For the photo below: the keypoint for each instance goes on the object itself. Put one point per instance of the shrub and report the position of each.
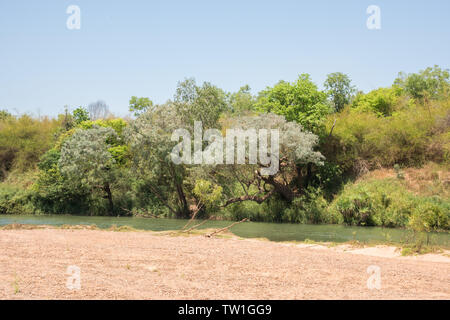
(410, 137)
(22, 141)
(387, 203)
(433, 215)
(382, 101)
(16, 201)
(357, 208)
(309, 208)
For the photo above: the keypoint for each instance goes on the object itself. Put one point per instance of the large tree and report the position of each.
(299, 101)
(339, 89)
(243, 101)
(86, 161)
(296, 152)
(139, 105)
(430, 83)
(199, 103)
(149, 138)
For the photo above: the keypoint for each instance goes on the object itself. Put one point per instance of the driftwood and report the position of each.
(198, 225)
(226, 228)
(199, 207)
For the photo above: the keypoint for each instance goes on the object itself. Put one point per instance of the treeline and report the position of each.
(89, 162)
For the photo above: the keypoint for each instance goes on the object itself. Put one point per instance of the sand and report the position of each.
(147, 265)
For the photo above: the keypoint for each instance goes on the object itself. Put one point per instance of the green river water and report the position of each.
(271, 231)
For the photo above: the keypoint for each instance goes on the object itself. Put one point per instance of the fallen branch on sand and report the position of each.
(197, 225)
(226, 228)
(197, 210)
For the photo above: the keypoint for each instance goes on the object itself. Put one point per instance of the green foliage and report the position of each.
(242, 101)
(387, 203)
(86, 162)
(4, 114)
(139, 105)
(16, 201)
(150, 143)
(80, 114)
(431, 83)
(357, 208)
(85, 157)
(195, 103)
(208, 194)
(117, 124)
(120, 154)
(430, 216)
(298, 101)
(111, 166)
(362, 141)
(339, 89)
(309, 208)
(23, 140)
(382, 101)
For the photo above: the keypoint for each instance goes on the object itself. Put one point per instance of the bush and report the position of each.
(357, 208)
(23, 140)
(433, 215)
(16, 201)
(309, 208)
(387, 203)
(382, 101)
(410, 137)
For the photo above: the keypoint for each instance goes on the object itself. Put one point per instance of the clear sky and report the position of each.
(144, 48)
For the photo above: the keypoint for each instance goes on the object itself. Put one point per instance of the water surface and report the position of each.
(271, 231)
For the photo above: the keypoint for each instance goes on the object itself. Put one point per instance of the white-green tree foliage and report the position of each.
(85, 161)
(296, 144)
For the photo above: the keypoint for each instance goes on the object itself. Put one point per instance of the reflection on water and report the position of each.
(271, 231)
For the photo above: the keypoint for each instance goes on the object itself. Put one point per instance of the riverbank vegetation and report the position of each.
(380, 158)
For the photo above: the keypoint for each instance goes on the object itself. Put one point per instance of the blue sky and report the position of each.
(144, 48)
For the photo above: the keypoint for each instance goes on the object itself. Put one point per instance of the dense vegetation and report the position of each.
(90, 162)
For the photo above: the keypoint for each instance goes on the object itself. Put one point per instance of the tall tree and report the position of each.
(80, 114)
(149, 138)
(86, 162)
(430, 83)
(339, 89)
(139, 105)
(200, 103)
(299, 101)
(296, 151)
(242, 101)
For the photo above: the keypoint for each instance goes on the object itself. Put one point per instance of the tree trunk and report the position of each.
(283, 190)
(183, 211)
(107, 189)
(308, 174)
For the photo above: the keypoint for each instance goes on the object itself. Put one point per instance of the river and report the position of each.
(271, 231)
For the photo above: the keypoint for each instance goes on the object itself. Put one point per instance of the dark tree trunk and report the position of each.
(308, 175)
(183, 211)
(283, 190)
(107, 189)
(303, 181)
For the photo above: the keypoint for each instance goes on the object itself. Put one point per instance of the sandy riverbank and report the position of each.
(146, 265)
